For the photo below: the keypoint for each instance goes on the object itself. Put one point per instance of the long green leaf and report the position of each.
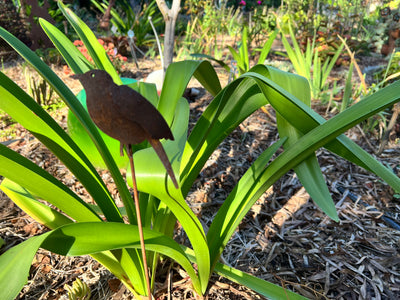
(267, 47)
(27, 174)
(228, 109)
(73, 57)
(305, 146)
(29, 114)
(86, 238)
(238, 59)
(305, 119)
(83, 239)
(15, 264)
(35, 209)
(308, 171)
(328, 68)
(295, 154)
(265, 288)
(151, 179)
(176, 80)
(96, 51)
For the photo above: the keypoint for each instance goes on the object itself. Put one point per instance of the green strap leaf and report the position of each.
(267, 47)
(73, 57)
(27, 174)
(15, 264)
(305, 119)
(35, 209)
(82, 239)
(152, 179)
(96, 51)
(265, 288)
(228, 109)
(308, 171)
(30, 115)
(176, 80)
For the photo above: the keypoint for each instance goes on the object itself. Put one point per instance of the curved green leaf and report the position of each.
(82, 239)
(15, 264)
(228, 109)
(176, 80)
(30, 115)
(73, 57)
(86, 238)
(96, 51)
(267, 47)
(152, 179)
(305, 119)
(265, 288)
(295, 154)
(35, 209)
(291, 157)
(27, 174)
(308, 171)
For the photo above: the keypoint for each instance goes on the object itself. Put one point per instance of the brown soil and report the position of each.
(284, 239)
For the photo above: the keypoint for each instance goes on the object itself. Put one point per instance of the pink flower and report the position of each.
(242, 3)
(259, 2)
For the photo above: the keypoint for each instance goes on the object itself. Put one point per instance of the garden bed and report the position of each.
(285, 238)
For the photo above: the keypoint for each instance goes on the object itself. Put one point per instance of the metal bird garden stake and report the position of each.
(127, 116)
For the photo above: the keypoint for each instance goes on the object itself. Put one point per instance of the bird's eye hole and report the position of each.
(93, 75)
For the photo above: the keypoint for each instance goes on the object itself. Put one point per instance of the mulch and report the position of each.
(284, 238)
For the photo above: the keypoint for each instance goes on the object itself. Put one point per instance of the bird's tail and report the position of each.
(156, 144)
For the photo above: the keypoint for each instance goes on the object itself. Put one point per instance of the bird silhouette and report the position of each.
(124, 114)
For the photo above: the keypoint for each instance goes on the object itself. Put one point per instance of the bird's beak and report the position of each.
(76, 76)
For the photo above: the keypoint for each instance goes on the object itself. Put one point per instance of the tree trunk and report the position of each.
(170, 16)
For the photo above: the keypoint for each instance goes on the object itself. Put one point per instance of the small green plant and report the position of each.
(125, 18)
(78, 291)
(50, 56)
(41, 91)
(391, 72)
(261, 22)
(241, 57)
(191, 42)
(309, 64)
(208, 34)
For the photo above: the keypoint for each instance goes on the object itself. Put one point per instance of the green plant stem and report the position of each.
(158, 42)
(139, 222)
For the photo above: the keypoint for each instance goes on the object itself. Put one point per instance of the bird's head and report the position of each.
(94, 78)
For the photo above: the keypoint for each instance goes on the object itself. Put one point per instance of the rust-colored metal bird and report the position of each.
(125, 115)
